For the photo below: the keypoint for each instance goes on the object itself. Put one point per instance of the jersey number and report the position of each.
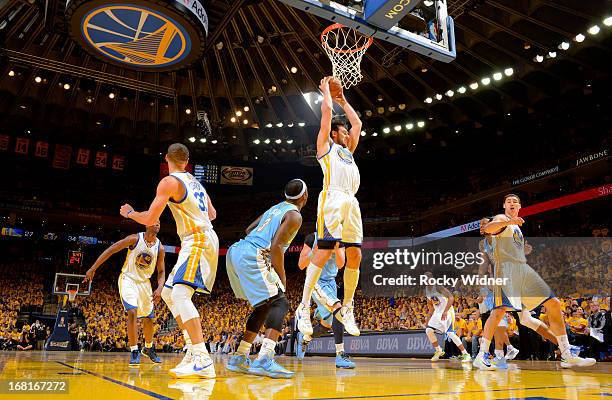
(201, 198)
(265, 223)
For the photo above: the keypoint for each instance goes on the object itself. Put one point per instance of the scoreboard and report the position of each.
(206, 173)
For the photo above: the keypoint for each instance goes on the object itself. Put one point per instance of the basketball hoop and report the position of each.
(345, 48)
(72, 295)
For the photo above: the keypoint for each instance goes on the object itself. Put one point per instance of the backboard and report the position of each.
(420, 26)
(64, 282)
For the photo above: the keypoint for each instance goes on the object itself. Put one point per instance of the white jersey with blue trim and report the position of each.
(141, 259)
(339, 170)
(261, 236)
(191, 212)
(509, 246)
(438, 299)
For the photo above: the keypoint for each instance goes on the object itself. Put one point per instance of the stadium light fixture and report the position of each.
(462, 89)
(539, 58)
(290, 125)
(269, 125)
(302, 124)
(289, 141)
(214, 141)
(245, 122)
(564, 46)
(202, 140)
(66, 86)
(192, 139)
(409, 126)
(38, 79)
(421, 124)
(363, 133)
(246, 108)
(428, 100)
(450, 93)
(376, 133)
(509, 71)
(385, 130)
(188, 111)
(279, 125)
(486, 80)
(552, 54)
(498, 76)
(607, 21)
(256, 141)
(294, 70)
(111, 95)
(233, 119)
(594, 30)
(267, 141)
(397, 128)
(438, 96)
(11, 73)
(579, 38)
(278, 141)
(474, 85)
(239, 113)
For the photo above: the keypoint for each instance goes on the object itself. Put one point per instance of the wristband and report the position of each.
(128, 214)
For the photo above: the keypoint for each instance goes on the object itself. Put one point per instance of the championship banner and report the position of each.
(22, 145)
(236, 175)
(410, 343)
(61, 158)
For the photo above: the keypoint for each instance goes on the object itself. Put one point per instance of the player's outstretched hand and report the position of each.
(516, 221)
(157, 294)
(324, 86)
(89, 275)
(125, 210)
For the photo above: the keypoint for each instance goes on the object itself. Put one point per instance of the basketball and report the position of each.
(335, 88)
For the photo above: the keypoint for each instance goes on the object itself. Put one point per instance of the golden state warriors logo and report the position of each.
(345, 155)
(135, 35)
(143, 260)
(517, 236)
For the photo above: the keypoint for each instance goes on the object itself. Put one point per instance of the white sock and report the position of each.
(464, 351)
(484, 346)
(244, 348)
(438, 348)
(134, 348)
(340, 348)
(564, 346)
(148, 345)
(499, 353)
(312, 276)
(199, 349)
(351, 279)
(509, 348)
(186, 337)
(267, 348)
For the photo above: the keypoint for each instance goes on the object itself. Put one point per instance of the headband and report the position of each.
(298, 195)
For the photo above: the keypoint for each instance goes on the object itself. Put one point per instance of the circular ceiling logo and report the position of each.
(135, 35)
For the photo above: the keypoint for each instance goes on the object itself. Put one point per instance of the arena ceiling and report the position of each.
(263, 56)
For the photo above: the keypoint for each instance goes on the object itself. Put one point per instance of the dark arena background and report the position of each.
(461, 102)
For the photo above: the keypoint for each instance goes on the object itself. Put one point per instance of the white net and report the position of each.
(345, 48)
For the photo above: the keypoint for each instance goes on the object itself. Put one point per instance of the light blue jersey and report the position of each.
(269, 223)
(248, 262)
(329, 270)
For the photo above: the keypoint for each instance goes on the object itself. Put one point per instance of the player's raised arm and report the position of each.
(327, 107)
(354, 120)
(500, 221)
(112, 249)
(161, 273)
(212, 211)
(168, 188)
(292, 221)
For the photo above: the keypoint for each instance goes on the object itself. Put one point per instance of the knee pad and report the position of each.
(527, 320)
(257, 318)
(453, 336)
(181, 297)
(278, 309)
(166, 295)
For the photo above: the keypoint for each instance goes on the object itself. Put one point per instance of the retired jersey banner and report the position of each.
(61, 158)
(82, 157)
(22, 145)
(101, 159)
(236, 175)
(118, 163)
(42, 149)
(4, 142)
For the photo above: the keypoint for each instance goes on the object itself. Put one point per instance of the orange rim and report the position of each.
(340, 26)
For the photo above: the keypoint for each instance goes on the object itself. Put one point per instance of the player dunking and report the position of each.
(196, 265)
(325, 295)
(525, 289)
(145, 253)
(256, 270)
(441, 315)
(338, 214)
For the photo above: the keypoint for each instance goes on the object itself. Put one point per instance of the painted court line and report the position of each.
(106, 378)
(439, 393)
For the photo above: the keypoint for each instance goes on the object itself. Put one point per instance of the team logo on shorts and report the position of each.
(345, 155)
(143, 260)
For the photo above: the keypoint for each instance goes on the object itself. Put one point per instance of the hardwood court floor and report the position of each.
(107, 376)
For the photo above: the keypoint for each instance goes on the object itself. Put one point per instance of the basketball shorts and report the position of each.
(196, 265)
(339, 218)
(437, 324)
(136, 294)
(524, 289)
(250, 273)
(325, 295)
